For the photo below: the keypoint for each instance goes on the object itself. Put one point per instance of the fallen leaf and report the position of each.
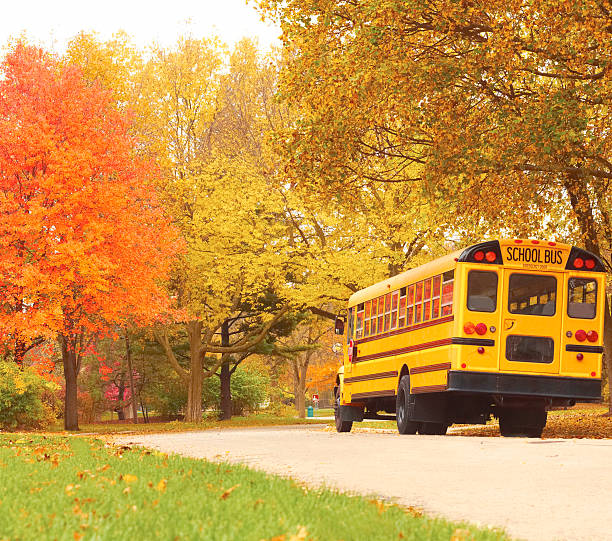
(161, 486)
(225, 495)
(128, 478)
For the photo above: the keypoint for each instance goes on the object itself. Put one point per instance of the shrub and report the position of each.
(167, 398)
(23, 398)
(249, 390)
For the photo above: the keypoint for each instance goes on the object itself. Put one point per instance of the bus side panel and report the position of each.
(415, 349)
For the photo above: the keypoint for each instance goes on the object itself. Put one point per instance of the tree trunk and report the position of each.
(225, 377)
(194, 394)
(300, 398)
(300, 369)
(120, 397)
(226, 392)
(131, 377)
(71, 408)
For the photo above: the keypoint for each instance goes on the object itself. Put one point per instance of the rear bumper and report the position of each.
(524, 385)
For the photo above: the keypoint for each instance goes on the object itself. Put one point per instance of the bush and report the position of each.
(249, 390)
(167, 398)
(23, 398)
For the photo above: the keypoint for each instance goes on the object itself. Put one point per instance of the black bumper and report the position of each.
(524, 385)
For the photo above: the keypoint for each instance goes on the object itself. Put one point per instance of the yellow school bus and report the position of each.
(505, 328)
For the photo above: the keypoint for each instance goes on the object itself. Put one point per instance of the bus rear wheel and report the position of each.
(404, 406)
(341, 425)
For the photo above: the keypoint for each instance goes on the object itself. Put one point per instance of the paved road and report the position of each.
(539, 490)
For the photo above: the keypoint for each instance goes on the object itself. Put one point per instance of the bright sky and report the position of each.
(52, 23)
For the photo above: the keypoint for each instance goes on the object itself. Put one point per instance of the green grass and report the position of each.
(68, 488)
(179, 426)
(324, 412)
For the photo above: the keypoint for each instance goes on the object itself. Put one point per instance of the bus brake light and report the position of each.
(492, 256)
(592, 336)
(479, 255)
(469, 328)
(481, 329)
(589, 264)
(578, 263)
(580, 335)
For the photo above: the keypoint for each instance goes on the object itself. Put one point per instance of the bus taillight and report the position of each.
(481, 329)
(479, 255)
(578, 263)
(592, 336)
(469, 328)
(491, 257)
(580, 335)
(589, 264)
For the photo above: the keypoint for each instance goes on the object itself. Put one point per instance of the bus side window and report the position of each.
(374, 316)
(387, 311)
(435, 293)
(402, 308)
(359, 329)
(426, 298)
(418, 299)
(448, 280)
(351, 324)
(410, 303)
(482, 291)
(582, 298)
(394, 307)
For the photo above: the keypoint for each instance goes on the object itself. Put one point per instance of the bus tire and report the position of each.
(404, 406)
(433, 429)
(341, 425)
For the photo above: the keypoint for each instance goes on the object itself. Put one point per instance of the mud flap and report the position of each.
(350, 413)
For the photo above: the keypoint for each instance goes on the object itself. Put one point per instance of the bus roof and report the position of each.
(562, 258)
(437, 266)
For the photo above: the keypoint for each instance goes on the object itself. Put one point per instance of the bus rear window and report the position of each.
(482, 291)
(532, 294)
(581, 298)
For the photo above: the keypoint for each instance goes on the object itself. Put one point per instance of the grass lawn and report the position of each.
(72, 488)
(179, 426)
(324, 412)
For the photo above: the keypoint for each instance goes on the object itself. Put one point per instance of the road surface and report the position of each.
(540, 490)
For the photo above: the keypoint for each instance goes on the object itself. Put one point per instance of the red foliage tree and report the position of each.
(84, 244)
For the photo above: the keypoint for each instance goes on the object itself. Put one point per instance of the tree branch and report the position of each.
(164, 342)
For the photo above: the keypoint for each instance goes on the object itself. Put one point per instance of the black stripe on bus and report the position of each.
(367, 377)
(585, 349)
(372, 394)
(473, 341)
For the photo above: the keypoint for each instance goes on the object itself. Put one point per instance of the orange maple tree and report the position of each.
(84, 244)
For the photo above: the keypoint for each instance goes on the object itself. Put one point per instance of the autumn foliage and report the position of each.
(83, 242)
